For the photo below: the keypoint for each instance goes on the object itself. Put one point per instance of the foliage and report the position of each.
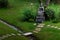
(28, 16)
(58, 17)
(49, 14)
(55, 21)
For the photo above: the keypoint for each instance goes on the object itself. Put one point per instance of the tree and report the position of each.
(55, 1)
(45, 2)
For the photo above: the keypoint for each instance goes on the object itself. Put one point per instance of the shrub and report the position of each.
(28, 16)
(49, 14)
(58, 17)
(55, 21)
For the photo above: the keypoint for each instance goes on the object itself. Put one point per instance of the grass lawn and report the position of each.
(52, 24)
(16, 38)
(48, 33)
(14, 14)
(6, 30)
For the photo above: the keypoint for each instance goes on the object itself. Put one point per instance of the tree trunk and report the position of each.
(58, 1)
(47, 3)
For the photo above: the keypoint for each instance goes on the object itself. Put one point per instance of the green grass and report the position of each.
(52, 24)
(48, 33)
(13, 14)
(16, 38)
(6, 30)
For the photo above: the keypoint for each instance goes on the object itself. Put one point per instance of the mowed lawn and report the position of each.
(16, 38)
(15, 12)
(4, 30)
(13, 15)
(49, 33)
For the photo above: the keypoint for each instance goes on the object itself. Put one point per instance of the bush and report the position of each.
(55, 21)
(28, 16)
(3, 3)
(58, 17)
(49, 14)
